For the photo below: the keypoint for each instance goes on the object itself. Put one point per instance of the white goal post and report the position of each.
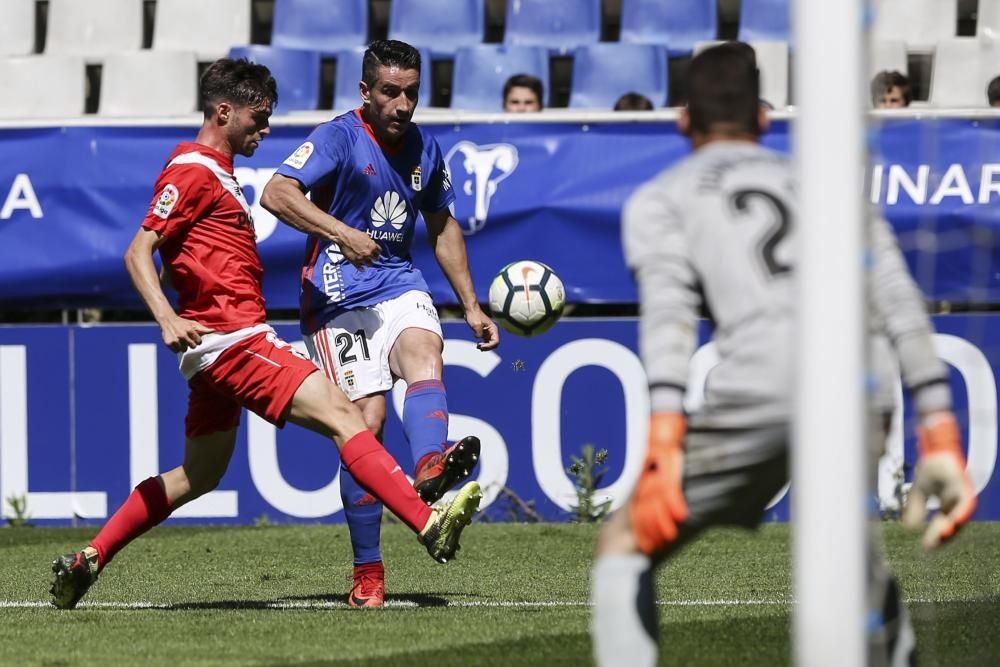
(829, 443)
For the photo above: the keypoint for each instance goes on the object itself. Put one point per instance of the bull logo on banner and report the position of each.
(476, 172)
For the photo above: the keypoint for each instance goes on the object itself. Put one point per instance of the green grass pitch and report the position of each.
(517, 595)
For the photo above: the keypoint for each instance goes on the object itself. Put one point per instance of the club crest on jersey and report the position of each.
(301, 155)
(415, 181)
(479, 170)
(165, 202)
(349, 379)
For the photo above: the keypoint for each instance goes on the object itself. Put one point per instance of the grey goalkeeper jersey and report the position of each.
(717, 231)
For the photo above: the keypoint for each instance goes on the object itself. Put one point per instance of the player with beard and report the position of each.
(366, 311)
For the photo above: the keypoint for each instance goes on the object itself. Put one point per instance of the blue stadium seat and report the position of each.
(320, 25)
(295, 70)
(481, 71)
(604, 72)
(765, 21)
(559, 25)
(677, 24)
(439, 25)
(348, 74)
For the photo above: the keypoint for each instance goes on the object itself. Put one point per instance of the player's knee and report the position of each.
(616, 535)
(202, 480)
(374, 423)
(341, 416)
(374, 416)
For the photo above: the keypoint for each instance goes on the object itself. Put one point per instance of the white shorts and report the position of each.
(353, 348)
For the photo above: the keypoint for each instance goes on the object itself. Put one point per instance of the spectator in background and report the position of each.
(993, 92)
(523, 93)
(633, 102)
(890, 90)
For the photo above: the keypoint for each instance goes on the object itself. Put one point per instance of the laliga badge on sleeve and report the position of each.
(301, 155)
(165, 202)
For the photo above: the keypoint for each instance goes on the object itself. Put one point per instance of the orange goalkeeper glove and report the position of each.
(658, 506)
(941, 473)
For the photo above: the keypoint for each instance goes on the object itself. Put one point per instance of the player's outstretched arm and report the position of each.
(285, 198)
(178, 333)
(899, 309)
(449, 248)
(940, 473)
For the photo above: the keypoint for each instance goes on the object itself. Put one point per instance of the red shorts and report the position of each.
(261, 373)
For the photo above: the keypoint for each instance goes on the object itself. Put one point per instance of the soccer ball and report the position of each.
(527, 297)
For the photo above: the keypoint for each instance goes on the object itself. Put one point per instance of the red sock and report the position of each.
(377, 472)
(145, 507)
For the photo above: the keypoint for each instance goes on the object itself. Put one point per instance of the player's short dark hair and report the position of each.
(993, 91)
(240, 82)
(532, 83)
(388, 52)
(885, 81)
(633, 102)
(724, 89)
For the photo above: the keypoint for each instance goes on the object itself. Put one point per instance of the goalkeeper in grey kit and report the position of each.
(717, 232)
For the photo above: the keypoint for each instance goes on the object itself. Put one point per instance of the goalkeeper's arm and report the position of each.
(656, 251)
(899, 309)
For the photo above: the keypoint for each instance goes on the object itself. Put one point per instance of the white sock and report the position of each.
(623, 620)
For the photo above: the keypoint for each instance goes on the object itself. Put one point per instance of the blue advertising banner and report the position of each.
(72, 198)
(88, 413)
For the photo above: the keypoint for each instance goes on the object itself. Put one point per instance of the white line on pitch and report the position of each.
(335, 604)
(332, 604)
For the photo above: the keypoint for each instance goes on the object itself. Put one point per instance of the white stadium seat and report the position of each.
(17, 27)
(888, 55)
(772, 61)
(207, 27)
(149, 83)
(33, 87)
(988, 21)
(962, 69)
(919, 23)
(94, 28)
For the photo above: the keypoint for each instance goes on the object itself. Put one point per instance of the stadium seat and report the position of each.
(320, 25)
(678, 24)
(62, 95)
(963, 68)
(439, 25)
(209, 28)
(17, 27)
(604, 72)
(772, 61)
(919, 23)
(765, 21)
(558, 25)
(348, 74)
(295, 70)
(988, 20)
(889, 55)
(481, 72)
(133, 84)
(93, 29)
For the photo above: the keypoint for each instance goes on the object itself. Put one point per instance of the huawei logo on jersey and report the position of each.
(390, 208)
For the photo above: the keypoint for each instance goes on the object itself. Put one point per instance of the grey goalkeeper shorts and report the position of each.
(731, 475)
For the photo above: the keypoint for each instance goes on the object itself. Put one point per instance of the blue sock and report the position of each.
(364, 519)
(425, 418)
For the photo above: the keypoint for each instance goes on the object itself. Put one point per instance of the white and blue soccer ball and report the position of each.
(527, 297)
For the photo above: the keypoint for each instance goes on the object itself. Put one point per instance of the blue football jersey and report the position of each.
(377, 189)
